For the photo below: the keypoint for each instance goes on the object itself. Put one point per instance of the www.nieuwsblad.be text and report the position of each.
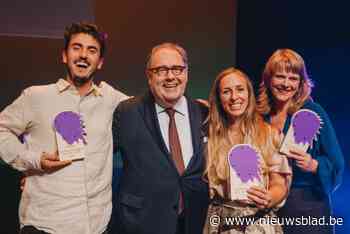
(215, 221)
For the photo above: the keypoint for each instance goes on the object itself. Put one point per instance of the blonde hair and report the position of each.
(252, 130)
(289, 61)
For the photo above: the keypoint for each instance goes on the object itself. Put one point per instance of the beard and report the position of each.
(79, 81)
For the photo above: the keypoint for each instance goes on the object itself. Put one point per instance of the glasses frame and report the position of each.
(176, 70)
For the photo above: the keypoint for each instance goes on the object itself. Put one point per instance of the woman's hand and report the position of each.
(260, 196)
(303, 160)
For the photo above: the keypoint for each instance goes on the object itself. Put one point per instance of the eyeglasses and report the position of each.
(164, 70)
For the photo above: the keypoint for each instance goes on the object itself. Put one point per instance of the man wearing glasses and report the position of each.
(161, 139)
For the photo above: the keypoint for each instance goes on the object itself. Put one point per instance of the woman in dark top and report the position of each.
(286, 88)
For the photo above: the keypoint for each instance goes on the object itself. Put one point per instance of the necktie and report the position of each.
(175, 150)
(174, 142)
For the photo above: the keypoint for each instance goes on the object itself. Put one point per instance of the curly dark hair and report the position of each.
(88, 28)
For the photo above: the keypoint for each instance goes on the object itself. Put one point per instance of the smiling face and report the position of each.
(284, 85)
(82, 58)
(234, 95)
(168, 88)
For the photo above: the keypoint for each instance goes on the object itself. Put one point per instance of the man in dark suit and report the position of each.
(161, 139)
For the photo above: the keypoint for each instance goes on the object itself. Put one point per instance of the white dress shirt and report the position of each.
(183, 127)
(76, 199)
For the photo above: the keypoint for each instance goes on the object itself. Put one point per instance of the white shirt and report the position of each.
(76, 199)
(183, 127)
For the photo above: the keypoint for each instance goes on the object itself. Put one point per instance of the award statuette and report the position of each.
(245, 171)
(69, 135)
(303, 130)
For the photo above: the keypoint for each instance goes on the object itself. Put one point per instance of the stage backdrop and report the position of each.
(42, 18)
(319, 31)
(31, 40)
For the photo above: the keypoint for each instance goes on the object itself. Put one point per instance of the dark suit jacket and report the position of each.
(148, 196)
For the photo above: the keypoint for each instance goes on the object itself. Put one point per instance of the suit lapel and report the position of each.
(148, 112)
(195, 123)
(196, 132)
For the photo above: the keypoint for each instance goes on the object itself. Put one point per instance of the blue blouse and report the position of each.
(325, 150)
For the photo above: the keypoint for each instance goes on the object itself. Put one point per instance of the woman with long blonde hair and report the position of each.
(286, 88)
(233, 120)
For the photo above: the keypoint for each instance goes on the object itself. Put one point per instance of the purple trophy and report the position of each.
(244, 160)
(306, 125)
(70, 126)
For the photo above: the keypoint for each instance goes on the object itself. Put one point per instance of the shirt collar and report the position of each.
(64, 85)
(180, 107)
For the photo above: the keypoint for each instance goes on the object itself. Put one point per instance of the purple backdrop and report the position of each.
(42, 18)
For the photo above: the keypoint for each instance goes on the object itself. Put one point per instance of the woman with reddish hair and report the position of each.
(286, 88)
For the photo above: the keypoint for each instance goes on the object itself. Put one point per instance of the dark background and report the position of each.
(216, 34)
(319, 31)
(42, 18)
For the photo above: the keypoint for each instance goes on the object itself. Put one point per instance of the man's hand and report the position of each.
(51, 162)
(22, 183)
(203, 101)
